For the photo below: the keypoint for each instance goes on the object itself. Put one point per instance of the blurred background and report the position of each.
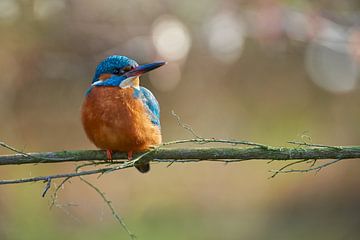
(268, 71)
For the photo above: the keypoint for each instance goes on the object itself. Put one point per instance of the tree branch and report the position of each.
(233, 153)
(227, 154)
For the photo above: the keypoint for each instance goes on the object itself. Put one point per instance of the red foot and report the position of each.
(130, 155)
(109, 155)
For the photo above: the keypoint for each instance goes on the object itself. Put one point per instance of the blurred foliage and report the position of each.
(267, 71)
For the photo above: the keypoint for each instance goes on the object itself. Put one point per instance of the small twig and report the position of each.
(54, 195)
(276, 172)
(313, 145)
(201, 140)
(185, 126)
(44, 178)
(47, 186)
(112, 209)
(171, 163)
(213, 140)
(311, 169)
(313, 163)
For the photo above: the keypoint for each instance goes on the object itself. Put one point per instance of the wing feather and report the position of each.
(151, 105)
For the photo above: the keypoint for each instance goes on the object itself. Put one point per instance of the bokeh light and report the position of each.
(9, 10)
(226, 34)
(47, 8)
(297, 25)
(140, 48)
(354, 43)
(329, 62)
(9, 69)
(171, 38)
(267, 21)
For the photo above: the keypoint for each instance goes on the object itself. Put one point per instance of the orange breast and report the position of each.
(113, 119)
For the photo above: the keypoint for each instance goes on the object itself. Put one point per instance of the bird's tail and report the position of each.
(143, 168)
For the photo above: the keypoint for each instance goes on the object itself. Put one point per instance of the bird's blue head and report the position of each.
(113, 65)
(120, 71)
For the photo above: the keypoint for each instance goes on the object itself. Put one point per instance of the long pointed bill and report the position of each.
(143, 69)
(132, 77)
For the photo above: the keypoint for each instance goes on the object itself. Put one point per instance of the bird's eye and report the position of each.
(116, 71)
(120, 71)
(127, 68)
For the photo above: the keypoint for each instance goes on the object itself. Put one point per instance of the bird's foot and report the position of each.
(109, 155)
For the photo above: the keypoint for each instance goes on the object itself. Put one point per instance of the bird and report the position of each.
(117, 113)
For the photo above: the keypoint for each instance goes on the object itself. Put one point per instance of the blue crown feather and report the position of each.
(109, 64)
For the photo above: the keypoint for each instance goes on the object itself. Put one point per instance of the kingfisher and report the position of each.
(118, 114)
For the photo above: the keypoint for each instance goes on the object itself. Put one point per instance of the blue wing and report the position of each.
(151, 104)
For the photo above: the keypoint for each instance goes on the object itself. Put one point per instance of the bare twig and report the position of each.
(54, 195)
(187, 127)
(47, 186)
(213, 140)
(46, 178)
(312, 145)
(311, 169)
(276, 172)
(112, 209)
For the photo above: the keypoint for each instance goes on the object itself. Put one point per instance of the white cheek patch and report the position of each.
(128, 83)
(123, 84)
(96, 83)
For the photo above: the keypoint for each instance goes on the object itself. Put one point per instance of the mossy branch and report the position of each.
(303, 152)
(222, 154)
